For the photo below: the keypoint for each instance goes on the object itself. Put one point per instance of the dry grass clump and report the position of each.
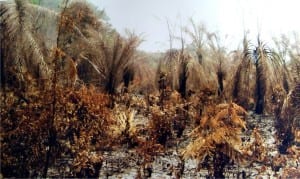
(125, 129)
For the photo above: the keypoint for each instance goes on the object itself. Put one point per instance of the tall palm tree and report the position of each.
(267, 73)
(115, 60)
(265, 63)
(197, 34)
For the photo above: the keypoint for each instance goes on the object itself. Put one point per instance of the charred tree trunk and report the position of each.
(260, 88)
(286, 79)
(162, 85)
(220, 76)
(236, 83)
(200, 57)
(110, 87)
(51, 142)
(52, 133)
(127, 78)
(182, 81)
(286, 83)
(2, 68)
(220, 160)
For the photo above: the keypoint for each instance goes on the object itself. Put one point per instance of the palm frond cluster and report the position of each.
(181, 72)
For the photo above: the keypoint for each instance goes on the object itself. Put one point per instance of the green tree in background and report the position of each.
(35, 2)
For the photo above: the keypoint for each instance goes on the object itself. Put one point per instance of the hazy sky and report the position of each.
(229, 17)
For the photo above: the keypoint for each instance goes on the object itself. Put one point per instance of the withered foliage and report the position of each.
(81, 122)
(219, 137)
(165, 125)
(220, 125)
(161, 126)
(79, 33)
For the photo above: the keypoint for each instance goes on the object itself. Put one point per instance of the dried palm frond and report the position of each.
(169, 67)
(295, 67)
(241, 77)
(125, 128)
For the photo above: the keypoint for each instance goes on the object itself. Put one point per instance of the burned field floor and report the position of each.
(124, 162)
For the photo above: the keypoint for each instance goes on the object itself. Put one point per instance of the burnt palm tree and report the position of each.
(197, 34)
(262, 66)
(21, 48)
(219, 57)
(117, 56)
(265, 63)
